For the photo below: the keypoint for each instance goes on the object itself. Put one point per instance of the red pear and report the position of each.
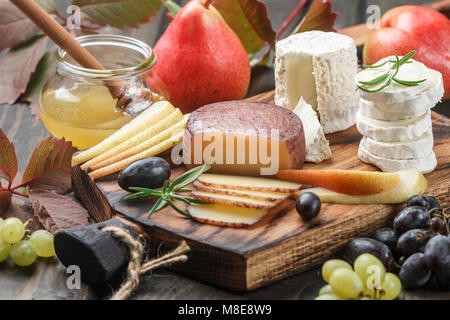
(408, 28)
(200, 60)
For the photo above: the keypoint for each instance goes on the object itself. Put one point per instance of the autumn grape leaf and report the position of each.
(8, 158)
(319, 17)
(119, 13)
(16, 68)
(57, 212)
(5, 199)
(249, 20)
(49, 166)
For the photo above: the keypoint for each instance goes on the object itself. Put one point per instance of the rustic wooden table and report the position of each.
(47, 279)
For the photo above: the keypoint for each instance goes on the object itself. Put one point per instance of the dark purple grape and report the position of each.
(358, 246)
(386, 236)
(442, 275)
(412, 241)
(415, 272)
(438, 225)
(411, 218)
(401, 260)
(437, 251)
(418, 201)
(145, 173)
(432, 202)
(308, 205)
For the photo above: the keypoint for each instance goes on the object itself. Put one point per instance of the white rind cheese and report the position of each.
(371, 110)
(403, 150)
(426, 164)
(321, 68)
(415, 105)
(395, 92)
(391, 131)
(316, 145)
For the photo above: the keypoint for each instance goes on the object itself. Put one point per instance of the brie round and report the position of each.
(425, 164)
(391, 131)
(402, 150)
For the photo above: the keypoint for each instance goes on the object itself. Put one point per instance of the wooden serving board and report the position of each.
(246, 259)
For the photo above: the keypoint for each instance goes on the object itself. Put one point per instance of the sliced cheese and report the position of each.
(414, 106)
(371, 110)
(223, 215)
(425, 164)
(321, 68)
(237, 201)
(395, 92)
(248, 183)
(244, 138)
(391, 131)
(412, 182)
(417, 148)
(316, 145)
(257, 195)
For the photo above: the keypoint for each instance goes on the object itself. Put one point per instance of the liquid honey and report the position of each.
(84, 114)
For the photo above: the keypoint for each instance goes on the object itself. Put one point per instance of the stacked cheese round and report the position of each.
(396, 121)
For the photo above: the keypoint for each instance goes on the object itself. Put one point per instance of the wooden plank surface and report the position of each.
(248, 258)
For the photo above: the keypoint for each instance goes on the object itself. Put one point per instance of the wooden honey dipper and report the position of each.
(65, 40)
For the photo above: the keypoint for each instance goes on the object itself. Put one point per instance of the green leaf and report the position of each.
(188, 177)
(409, 83)
(319, 17)
(172, 7)
(174, 207)
(249, 20)
(119, 13)
(161, 203)
(375, 81)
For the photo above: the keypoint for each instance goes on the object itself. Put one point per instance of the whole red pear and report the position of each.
(408, 28)
(200, 60)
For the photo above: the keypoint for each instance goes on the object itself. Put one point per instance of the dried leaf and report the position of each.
(44, 69)
(8, 158)
(49, 165)
(5, 199)
(56, 212)
(16, 68)
(15, 27)
(119, 13)
(319, 17)
(249, 20)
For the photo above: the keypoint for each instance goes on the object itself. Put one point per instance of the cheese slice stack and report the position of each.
(396, 121)
(321, 68)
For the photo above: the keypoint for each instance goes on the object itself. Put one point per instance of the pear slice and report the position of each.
(257, 195)
(229, 216)
(412, 182)
(236, 201)
(248, 183)
(344, 181)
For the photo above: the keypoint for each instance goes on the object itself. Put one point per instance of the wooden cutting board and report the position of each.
(246, 259)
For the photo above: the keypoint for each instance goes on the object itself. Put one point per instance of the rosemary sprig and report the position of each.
(397, 63)
(170, 191)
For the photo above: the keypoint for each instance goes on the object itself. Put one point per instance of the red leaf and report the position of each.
(8, 158)
(17, 66)
(5, 199)
(49, 165)
(15, 27)
(319, 17)
(249, 20)
(56, 212)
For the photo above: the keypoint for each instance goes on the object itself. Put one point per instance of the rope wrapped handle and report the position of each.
(137, 267)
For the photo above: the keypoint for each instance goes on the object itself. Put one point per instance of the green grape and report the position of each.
(5, 248)
(331, 265)
(13, 230)
(326, 290)
(43, 242)
(23, 253)
(370, 269)
(391, 286)
(328, 296)
(1, 223)
(346, 283)
(365, 298)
